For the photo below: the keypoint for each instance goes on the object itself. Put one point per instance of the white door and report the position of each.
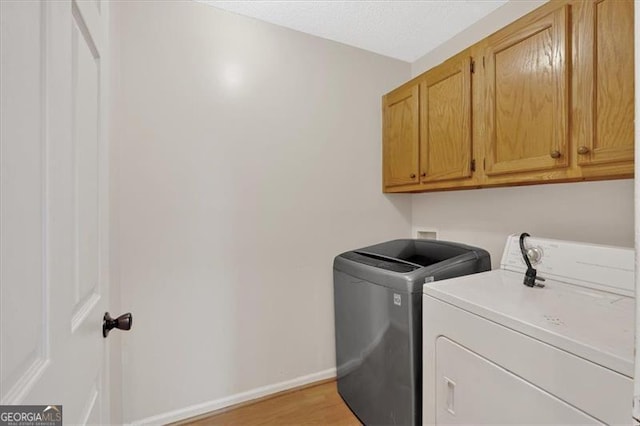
(54, 210)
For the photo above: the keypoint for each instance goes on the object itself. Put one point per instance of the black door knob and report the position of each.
(123, 322)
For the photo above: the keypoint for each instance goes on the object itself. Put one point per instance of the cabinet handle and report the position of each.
(423, 174)
(583, 150)
(555, 154)
(412, 175)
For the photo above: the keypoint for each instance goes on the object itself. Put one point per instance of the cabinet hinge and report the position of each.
(473, 67)
(473, 165)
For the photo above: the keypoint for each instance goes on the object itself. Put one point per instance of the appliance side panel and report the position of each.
(373, 350)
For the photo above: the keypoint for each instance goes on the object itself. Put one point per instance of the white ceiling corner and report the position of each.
(404, 30)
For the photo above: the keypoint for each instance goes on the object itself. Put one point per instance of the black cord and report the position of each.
(523, 251)
(529, 276)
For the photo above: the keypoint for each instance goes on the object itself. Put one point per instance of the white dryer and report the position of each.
(498, 352)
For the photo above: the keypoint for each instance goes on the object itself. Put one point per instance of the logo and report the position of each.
(30, 415)
(397, 299)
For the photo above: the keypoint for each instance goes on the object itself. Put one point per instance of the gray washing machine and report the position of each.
(378, 320)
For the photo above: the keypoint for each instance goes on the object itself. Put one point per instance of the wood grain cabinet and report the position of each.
(551, 100)
(427, 128)
(445, 102)
(527, 96)
(604, 86)
(401, 136)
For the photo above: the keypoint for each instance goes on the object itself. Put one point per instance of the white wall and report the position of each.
(246, 157)
(598, 212)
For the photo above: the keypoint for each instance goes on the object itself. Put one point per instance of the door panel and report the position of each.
(91, 412)
(446, 120)
(86, 110)
(23, 250)
(606, 123)
(401, 136)
(527, 80)
(54, 208)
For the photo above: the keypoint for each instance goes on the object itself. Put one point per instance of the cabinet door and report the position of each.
(527, 102)
(445, 152)
(401, 139)
(605, 82)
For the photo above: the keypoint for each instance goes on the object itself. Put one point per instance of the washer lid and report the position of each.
(592, 324)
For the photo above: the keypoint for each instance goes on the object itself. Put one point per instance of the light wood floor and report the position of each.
(318, 405)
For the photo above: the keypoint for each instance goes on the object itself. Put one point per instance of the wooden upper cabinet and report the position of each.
(401, 136)
(551, 100)
(445, 112)
(604, 88)
(527, 80)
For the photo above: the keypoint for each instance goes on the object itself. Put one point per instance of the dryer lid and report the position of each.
(589, 323)
(586, 307)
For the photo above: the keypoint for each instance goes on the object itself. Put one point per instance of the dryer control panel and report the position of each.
(595, 266)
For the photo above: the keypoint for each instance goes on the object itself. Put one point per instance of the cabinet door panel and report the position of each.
(401, 136)
(446, 122)
(605, 82)
(527, 81)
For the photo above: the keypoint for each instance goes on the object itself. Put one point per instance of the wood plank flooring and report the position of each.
(315, 405)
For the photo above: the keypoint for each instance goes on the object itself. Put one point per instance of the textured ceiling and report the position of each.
(404, 30)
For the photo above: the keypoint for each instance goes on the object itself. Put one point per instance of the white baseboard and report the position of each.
(217, 404)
